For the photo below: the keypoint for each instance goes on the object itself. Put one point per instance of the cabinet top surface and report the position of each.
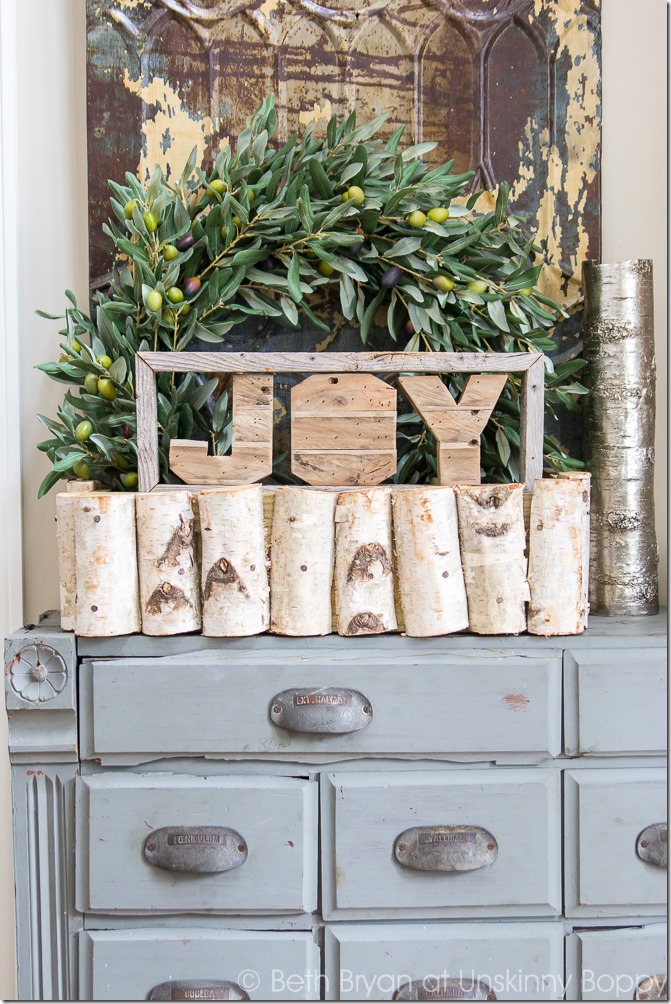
(603, 632)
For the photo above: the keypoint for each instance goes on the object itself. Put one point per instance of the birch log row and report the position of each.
(559, 556)
(235, 591)
(428, 563)
(363, 566)
(106, 565)
(620, 436)
(168, 570)
(491, 528)
(301, 556)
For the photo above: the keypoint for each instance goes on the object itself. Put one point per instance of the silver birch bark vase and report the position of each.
(618, 331)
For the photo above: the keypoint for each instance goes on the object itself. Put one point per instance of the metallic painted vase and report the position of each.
(619, 345)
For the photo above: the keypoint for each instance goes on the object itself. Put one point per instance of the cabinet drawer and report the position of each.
(126, 820)
(516, 961)
(507, 820)
(610, 965)
(128, 965)
(615, 701)
(605, 812)
(476, 703)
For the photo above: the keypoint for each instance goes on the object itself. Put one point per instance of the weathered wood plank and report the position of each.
(531, 423)
(147, 425)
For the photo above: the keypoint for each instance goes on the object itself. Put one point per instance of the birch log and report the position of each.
(301, 562)
(428, 564)
(363, 568)
(236, 600)
(558, 556)
(491, 528)
(106, 564)
(168, 570)
(67, 573)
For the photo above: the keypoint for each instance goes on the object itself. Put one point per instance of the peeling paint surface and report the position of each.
(510, 90)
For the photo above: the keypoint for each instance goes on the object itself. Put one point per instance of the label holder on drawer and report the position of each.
(204, 850)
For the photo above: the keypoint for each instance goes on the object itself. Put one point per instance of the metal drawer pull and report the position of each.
(198, 990)
(199, 849)
(432, 989)
(328, 710)
(652, 845)
(654, 988)
(445, 849)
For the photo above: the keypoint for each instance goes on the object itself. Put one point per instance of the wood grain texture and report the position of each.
(251, 456)
(353, 457)
(147, 425)
(531, 422)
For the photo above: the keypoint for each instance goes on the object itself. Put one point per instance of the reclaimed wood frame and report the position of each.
(147, 364)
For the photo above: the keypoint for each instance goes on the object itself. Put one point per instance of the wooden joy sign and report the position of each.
(343, 424)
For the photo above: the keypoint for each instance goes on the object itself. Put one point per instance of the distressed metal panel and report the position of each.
(520, 962)
(44, 864)
(615, 701)
(608, 965)
(510, 90)
(126, 965)
(41, 694)
(277, 817)
(604, 813)
(478, 703)
(363, 814)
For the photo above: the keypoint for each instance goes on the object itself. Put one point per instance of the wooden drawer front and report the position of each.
(127, 965)
(473, 703)
(276, 817)
(610, 965)
(517, 961)
(615, 701)
(364, 814)
(605, 811)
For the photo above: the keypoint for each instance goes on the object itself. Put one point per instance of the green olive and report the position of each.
(128, 209)
(170, 252)
(218, 185)
(81, 469)
(526, 292)
(75, 347)
(129, 480)
(91, 383)
(478, 286)
(106, 389)
(150, 221)
(237, 222)
(325, 268)
(83, 431)
(356, 194)
(154, 300)
(174, 294)
(438, 214)
(417, 219)
(121, 462)
(104, 361)
(443, 283)
(250, 195)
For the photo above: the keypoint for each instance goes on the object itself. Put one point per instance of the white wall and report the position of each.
(52, 241)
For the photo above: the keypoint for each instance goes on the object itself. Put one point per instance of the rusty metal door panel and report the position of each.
(509, 89)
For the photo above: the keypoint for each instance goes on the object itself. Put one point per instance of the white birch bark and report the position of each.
(235, 591)
(67, 572)
(428, 563)
(301, 561)
(169, 575)
(106, 564)
(363, 563)
(491, 528)
(559, 556)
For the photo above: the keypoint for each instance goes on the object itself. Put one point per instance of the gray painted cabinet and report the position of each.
(340, 819)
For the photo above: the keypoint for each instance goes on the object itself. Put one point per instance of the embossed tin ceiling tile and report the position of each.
(445, 848)
(196, 849)
(652, 845)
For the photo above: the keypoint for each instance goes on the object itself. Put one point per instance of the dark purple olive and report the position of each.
(126, 431)
(390, 277)
(268, 264)
(185, 242)
(355, 248)
(191, 286)
(409, 328)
